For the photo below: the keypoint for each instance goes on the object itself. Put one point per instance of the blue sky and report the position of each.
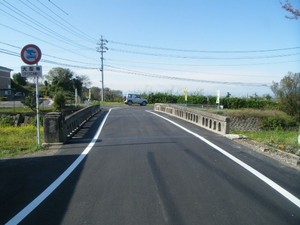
(233, 46)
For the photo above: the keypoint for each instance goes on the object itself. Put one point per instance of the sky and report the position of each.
(239, 47)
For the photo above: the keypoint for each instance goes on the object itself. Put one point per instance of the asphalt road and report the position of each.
(18, 103)
(144, 170)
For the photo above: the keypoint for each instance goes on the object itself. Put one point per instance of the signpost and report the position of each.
(31, 54)
(185, 95)
(218, 99)
(31, 71)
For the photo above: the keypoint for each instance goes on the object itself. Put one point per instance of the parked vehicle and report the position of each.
(135, 99)
(20, 94)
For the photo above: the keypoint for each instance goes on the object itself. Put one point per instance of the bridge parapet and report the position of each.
(216, 123)
(58, 129)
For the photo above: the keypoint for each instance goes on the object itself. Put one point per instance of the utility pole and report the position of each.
(102, 49)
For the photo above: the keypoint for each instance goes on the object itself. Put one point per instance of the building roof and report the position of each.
(4, 69)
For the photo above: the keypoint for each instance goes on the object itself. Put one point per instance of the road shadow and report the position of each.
(86, 133)
(23, 179)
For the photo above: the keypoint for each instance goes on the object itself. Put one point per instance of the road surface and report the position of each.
(143, 169)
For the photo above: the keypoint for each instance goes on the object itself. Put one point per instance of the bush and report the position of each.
(30, 101)
(59, 101)
(254, 103)
(6, 120)
(279, 123)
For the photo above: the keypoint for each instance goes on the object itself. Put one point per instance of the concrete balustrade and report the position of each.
(212, 122)
(58, 129)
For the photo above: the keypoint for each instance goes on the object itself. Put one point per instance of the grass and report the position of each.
(250, 112)
(16, 110)
(286, 140)
(18, 140)
(281, 139)
(23, 110)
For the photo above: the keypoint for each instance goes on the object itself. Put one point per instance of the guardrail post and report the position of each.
(54, 131)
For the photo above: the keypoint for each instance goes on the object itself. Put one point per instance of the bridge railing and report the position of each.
(216, 123)
(58, 129)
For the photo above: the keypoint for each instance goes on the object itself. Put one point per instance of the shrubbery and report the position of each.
(6, 120)
(279, 123)
(255, 103)
(59, 101)
(228, 103)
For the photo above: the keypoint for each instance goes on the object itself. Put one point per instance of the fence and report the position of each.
(212, 122)
(58, 129)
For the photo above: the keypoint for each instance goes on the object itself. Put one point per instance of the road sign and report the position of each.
(31, 54)
(31, 71)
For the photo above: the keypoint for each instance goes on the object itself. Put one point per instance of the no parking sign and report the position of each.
(31, 54)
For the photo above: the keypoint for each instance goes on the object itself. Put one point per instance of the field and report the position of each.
(18, 140)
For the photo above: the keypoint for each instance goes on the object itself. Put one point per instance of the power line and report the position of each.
(43, 40)
(194, 72)
(202, 57)
(68, 65)
(138, 73)
(42, 28)
(55, 21)
(76, 29)
(202, 51)
(201, 65)
(14, 46)
(58, 8)
(8, 52)
(55, 57)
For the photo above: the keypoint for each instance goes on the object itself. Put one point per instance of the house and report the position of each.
(5, 84)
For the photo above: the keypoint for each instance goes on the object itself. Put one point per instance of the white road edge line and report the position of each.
(259, 175)
(38, 200)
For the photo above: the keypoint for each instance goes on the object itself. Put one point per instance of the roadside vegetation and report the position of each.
(280, 115)
(15, 141)
(284, 140)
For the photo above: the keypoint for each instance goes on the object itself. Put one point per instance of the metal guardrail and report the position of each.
(209, 121)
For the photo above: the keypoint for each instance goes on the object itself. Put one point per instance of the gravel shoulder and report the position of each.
(277, 154)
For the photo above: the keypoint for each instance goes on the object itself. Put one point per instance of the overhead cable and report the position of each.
(138, 73)
(43, 40)
(55, 21)
(41, 28)
(203, 51)
(202, 57)
(87, 36)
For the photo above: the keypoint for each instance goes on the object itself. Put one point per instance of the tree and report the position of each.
(18, 79)
(95, 93)
(59, 101)
(291, 9)
(30, 101)
(60, 79)
(113, 95)
(288, 94)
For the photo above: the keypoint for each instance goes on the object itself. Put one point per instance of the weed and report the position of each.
(18, 140)
(284, 140)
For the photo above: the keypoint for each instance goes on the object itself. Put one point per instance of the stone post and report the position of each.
(54, 131)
